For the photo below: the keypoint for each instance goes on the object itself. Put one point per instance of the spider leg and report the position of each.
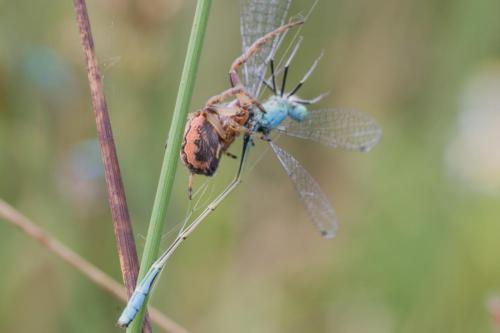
(237, 92)
(240, 128)
(190, 185)
(233, 72)
(218, 99)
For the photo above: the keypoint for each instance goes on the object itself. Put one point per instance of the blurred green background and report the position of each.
(418, 245)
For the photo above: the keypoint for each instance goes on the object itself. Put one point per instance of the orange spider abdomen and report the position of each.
(201, 146)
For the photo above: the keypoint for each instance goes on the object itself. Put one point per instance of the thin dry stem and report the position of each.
(129, 263)
(101, 279)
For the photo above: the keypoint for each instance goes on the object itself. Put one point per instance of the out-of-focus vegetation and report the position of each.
(418, 246)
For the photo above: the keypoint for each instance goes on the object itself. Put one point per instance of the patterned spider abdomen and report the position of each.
(201, 146)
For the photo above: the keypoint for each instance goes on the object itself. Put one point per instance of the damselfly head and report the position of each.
(298, 110)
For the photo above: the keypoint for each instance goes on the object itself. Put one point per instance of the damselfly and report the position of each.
(217, 125)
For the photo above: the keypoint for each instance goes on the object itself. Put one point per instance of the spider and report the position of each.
(211, 130)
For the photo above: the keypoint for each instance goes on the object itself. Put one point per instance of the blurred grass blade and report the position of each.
(92, 272)
(171, 158)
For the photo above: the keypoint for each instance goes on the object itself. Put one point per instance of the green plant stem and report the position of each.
(171, 157)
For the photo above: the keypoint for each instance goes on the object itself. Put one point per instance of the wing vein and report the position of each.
(315, 201)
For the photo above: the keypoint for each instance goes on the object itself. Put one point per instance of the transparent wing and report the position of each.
(317, 205)
(336, 128)
(259, 17)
